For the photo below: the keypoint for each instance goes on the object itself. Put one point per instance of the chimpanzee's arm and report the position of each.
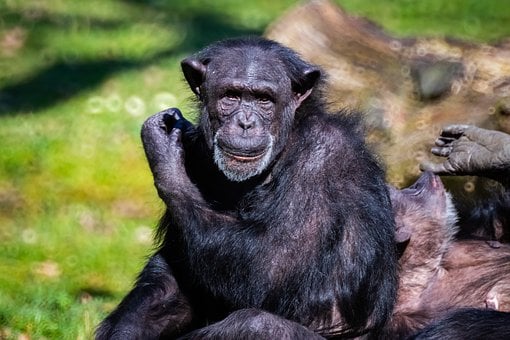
(154, 307)
(162, 140)
(472, 151)
(205, 230)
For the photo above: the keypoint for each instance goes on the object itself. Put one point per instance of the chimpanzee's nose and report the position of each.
(246, 122)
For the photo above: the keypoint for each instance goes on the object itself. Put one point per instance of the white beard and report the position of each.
(245, 171)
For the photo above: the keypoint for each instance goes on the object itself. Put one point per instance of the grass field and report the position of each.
(77, 79)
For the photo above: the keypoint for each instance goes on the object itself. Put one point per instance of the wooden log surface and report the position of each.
(407, 88)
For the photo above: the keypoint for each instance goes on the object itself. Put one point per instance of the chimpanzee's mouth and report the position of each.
(427, 181)
(243, 161)
(243, 158)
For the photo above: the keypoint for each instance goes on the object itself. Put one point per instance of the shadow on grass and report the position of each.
(66, 78)
(56, 83)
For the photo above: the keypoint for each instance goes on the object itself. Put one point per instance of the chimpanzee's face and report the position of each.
(425, 200)
(248, 102)
(250, 106)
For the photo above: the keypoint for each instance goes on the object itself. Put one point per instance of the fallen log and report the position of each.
(409, 88)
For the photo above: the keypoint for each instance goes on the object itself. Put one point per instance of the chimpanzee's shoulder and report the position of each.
(342, 128)
(346, 120)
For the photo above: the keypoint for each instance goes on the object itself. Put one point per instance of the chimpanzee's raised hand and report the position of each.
(471, 151)
(162, 142)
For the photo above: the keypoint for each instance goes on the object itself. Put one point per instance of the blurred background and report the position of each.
(77, 79)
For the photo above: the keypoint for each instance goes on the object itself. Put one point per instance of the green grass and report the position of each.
(77, 79)
(483, 21)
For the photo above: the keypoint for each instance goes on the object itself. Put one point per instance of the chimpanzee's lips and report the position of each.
(244, 158)
(427, 181)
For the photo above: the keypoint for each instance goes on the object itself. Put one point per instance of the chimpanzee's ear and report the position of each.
(308, 80)
(194, 72)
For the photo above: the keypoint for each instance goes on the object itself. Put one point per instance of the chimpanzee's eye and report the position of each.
(265, 99)
(232, 95)
(228, 102)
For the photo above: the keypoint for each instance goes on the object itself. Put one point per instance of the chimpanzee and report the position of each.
(278, 220)
(440, 275)
(470, 150)
(425, 229)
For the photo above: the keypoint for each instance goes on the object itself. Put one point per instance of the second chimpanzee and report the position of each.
(278, 221)
(451, 287)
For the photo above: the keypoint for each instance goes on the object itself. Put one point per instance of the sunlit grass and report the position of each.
(464, 19)
(78, 198)
(77, 79)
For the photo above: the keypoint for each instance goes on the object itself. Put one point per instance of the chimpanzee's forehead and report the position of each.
(247, 63)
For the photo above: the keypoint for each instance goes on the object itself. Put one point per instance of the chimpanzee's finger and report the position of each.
(442, 141)
(177, 113)
(181, 124)
(442, 151)
(454, 130)
(171, 116)
(153, 125)
(175, 136)
(438, 169)
(173, 112)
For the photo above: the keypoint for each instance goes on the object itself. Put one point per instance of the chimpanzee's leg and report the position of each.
(155, 306)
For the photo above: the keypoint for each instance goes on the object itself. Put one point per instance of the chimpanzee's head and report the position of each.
(424, 206)
(249, 91)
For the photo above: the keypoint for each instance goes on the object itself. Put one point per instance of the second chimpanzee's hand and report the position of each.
(471, 151)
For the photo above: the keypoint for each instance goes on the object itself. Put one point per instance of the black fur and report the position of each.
(487, 218)
(309, 240)
(473, 324)
(253, 324)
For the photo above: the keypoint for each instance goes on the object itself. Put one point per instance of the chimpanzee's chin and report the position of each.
(239, 168)
(241, 164)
